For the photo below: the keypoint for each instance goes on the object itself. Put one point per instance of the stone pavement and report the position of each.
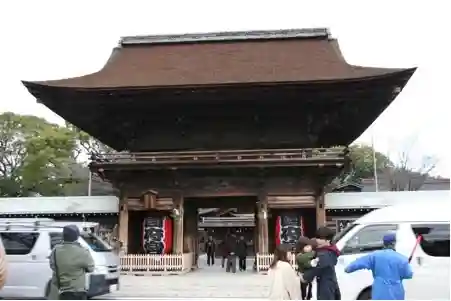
(206, 282)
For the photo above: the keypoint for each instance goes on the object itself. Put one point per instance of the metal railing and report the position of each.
(224, 156)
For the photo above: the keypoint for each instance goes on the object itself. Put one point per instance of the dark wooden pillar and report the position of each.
(179, 214)
(320, 211)
(190, 228)
(256, 231)
(123, 222)
(263, 239)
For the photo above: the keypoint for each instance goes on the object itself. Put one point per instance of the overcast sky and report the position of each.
(43, 40)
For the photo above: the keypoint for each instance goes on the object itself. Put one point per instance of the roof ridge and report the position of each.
(306, 33)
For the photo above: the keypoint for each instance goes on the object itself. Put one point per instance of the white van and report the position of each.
(430, 261)
(28, 244)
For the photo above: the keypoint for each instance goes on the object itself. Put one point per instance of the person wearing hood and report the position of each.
(323, 266)
(389, 269)
(70, 262)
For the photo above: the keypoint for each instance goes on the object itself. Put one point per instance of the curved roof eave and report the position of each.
(59, 84)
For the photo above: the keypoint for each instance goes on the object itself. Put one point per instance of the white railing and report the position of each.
(264, 260)
(146, 263)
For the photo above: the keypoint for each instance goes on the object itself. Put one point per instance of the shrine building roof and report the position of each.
(282, 89)
(225, 58)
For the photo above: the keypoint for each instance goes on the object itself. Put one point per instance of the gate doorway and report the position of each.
(225, 219)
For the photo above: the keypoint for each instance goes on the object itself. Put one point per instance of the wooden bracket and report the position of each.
(149, 199)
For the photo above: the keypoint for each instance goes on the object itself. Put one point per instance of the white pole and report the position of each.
(90, 183)
(376, 182)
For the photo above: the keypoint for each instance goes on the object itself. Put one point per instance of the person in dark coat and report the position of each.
(222, 252)
(323, 267)
(241, 252)
(231, 254)
(210, 248)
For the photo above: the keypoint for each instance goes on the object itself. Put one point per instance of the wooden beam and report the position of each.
(150, 199)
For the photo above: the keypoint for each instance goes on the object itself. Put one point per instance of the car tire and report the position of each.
(365, 294)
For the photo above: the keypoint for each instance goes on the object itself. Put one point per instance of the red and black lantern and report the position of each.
(289, 228)
(157, 235)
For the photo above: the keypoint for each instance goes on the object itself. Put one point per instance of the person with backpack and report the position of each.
(70, 262)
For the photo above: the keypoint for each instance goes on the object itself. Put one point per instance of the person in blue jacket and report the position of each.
(389, 269)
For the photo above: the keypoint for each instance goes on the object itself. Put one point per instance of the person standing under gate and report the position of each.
(241, 252)
(210, 248)
(222, 251)
(231, 254)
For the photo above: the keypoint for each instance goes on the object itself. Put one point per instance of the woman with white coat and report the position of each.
(3, 267)
(284, 284)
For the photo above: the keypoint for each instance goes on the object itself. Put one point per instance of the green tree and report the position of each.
(35, 156)
(362, 157)
(87, 146)
(80, 171)
(362, 164)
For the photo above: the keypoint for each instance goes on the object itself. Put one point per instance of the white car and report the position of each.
(430, 259)
(28, 244)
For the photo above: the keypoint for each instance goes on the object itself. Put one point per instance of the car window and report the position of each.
(56, 238)
(19, 243)
(95, 243)
(434, 238)
(368, 239)
(341, 233)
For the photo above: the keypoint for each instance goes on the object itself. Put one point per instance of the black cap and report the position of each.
(325, 233)
(71, 233)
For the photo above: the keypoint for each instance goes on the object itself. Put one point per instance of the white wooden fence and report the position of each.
(156, 264)
(264, 260)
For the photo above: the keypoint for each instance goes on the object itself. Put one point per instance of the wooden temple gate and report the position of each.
(204, 116)
(177, 195)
